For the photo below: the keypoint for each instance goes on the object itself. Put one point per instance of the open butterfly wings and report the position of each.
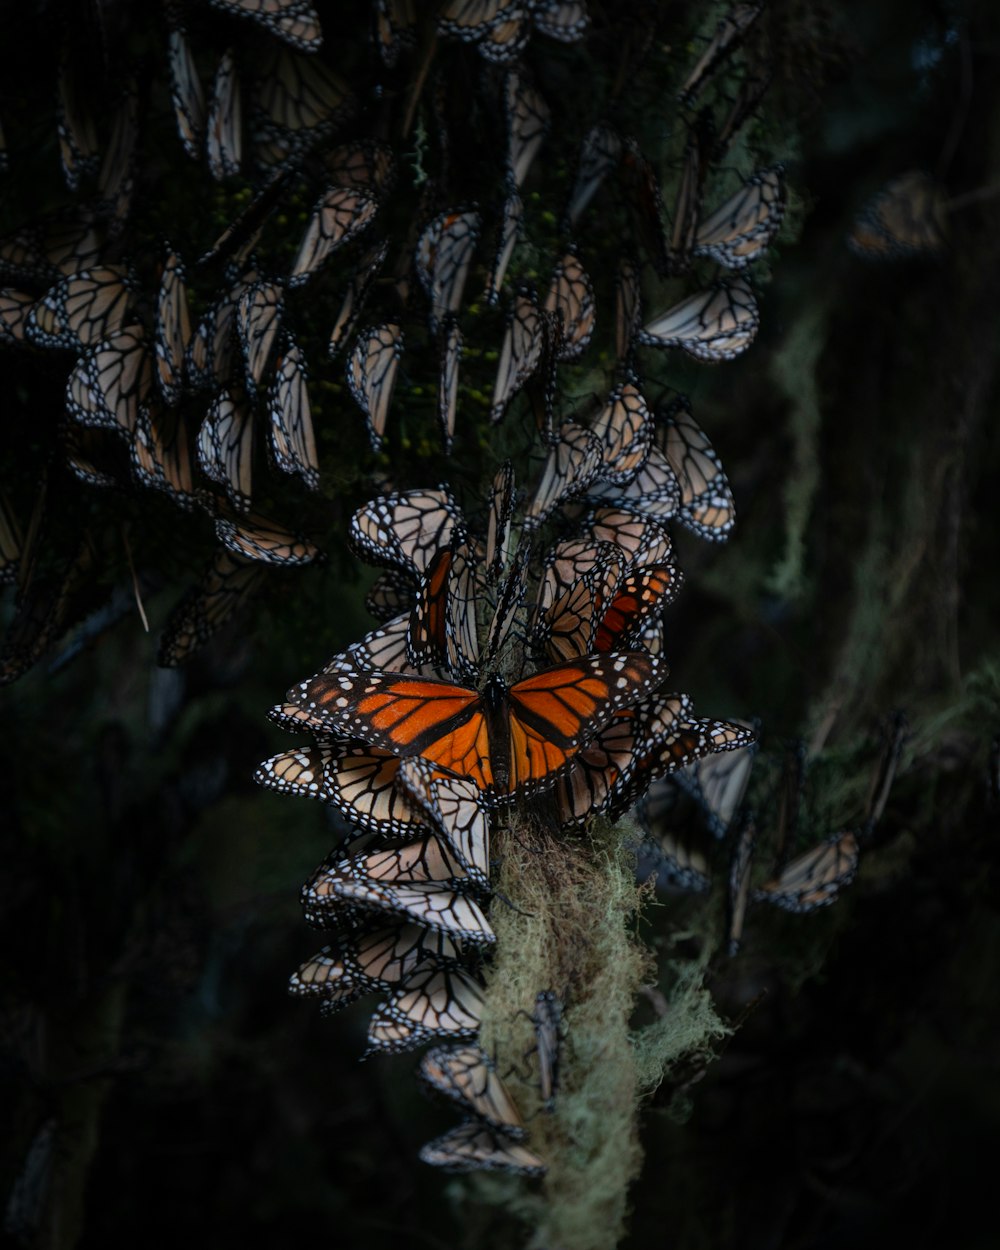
(506, 740)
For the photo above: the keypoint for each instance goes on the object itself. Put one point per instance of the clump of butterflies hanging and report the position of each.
(329, 272)
(519, 654)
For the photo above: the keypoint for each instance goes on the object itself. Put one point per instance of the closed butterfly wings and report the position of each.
(371, 375)
(706, 503)
(713, 325)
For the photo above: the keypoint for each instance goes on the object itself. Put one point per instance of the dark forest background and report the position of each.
(158, 1084)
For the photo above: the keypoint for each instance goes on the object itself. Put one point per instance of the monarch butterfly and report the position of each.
(742, 228)
(355, 296)
(294, 21)
(225, 446)
(644, 203)
(548, 1021)
(15, 307)
(224, 134)
(49, 247)
(706, 503)
(815, 878)
(625, 428)
(906, 218)
(688, 204)
(186, 93)
(471, 1146)
(256, 538)
(717, 324)
(640, 538)
(598, 772)
(728, 32)
(209, 359)
(571, 298)
(628, 312)
(108, 386)
(439, 1002)
(600, 152)
(407, 529)
(671, 745)
(510, 229)
(359, 781)
(467, 1075)
(173, 329)
(451, 357)
(420, 862)
(444, 252)
(258, 318)
(501, 513)
(391, 594)
(623, 615)
(653, 492)
(364, 163)
(395, 21)
(81, 309)
(220, 592)
(468, 19)
(300, 100)
(75, 125)
(93, 456)
(161, 455)
(504, 40)
(11, 544)
(508, 603)
(385, 956)
(116, 179)
(428, 903)
(508, 740)
(521, 352)
(339, 216)
(385, 648)
(718, 786)
(739, 884)
(292, 439)
(574, 578)
(678, 861)
(528, 118)
(640, 744)
(442, 630)
(565, 20)
(371, 375)
(570, 468)
(454, 808)
(325, 974)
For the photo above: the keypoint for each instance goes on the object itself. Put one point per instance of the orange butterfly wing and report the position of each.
(405, 715)
(555, 712)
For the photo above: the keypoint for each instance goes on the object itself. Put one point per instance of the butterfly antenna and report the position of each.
(135, 583)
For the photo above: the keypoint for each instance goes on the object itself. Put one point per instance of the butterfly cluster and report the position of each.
(505, 670)
(359, 194)
(195, 346)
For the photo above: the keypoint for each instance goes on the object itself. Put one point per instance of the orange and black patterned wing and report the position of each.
(555, 712)
(405, 716)
(814, 878)
(637, 598)
(706, 503)
(407, 529)
(467, 1075)
(359, 781)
